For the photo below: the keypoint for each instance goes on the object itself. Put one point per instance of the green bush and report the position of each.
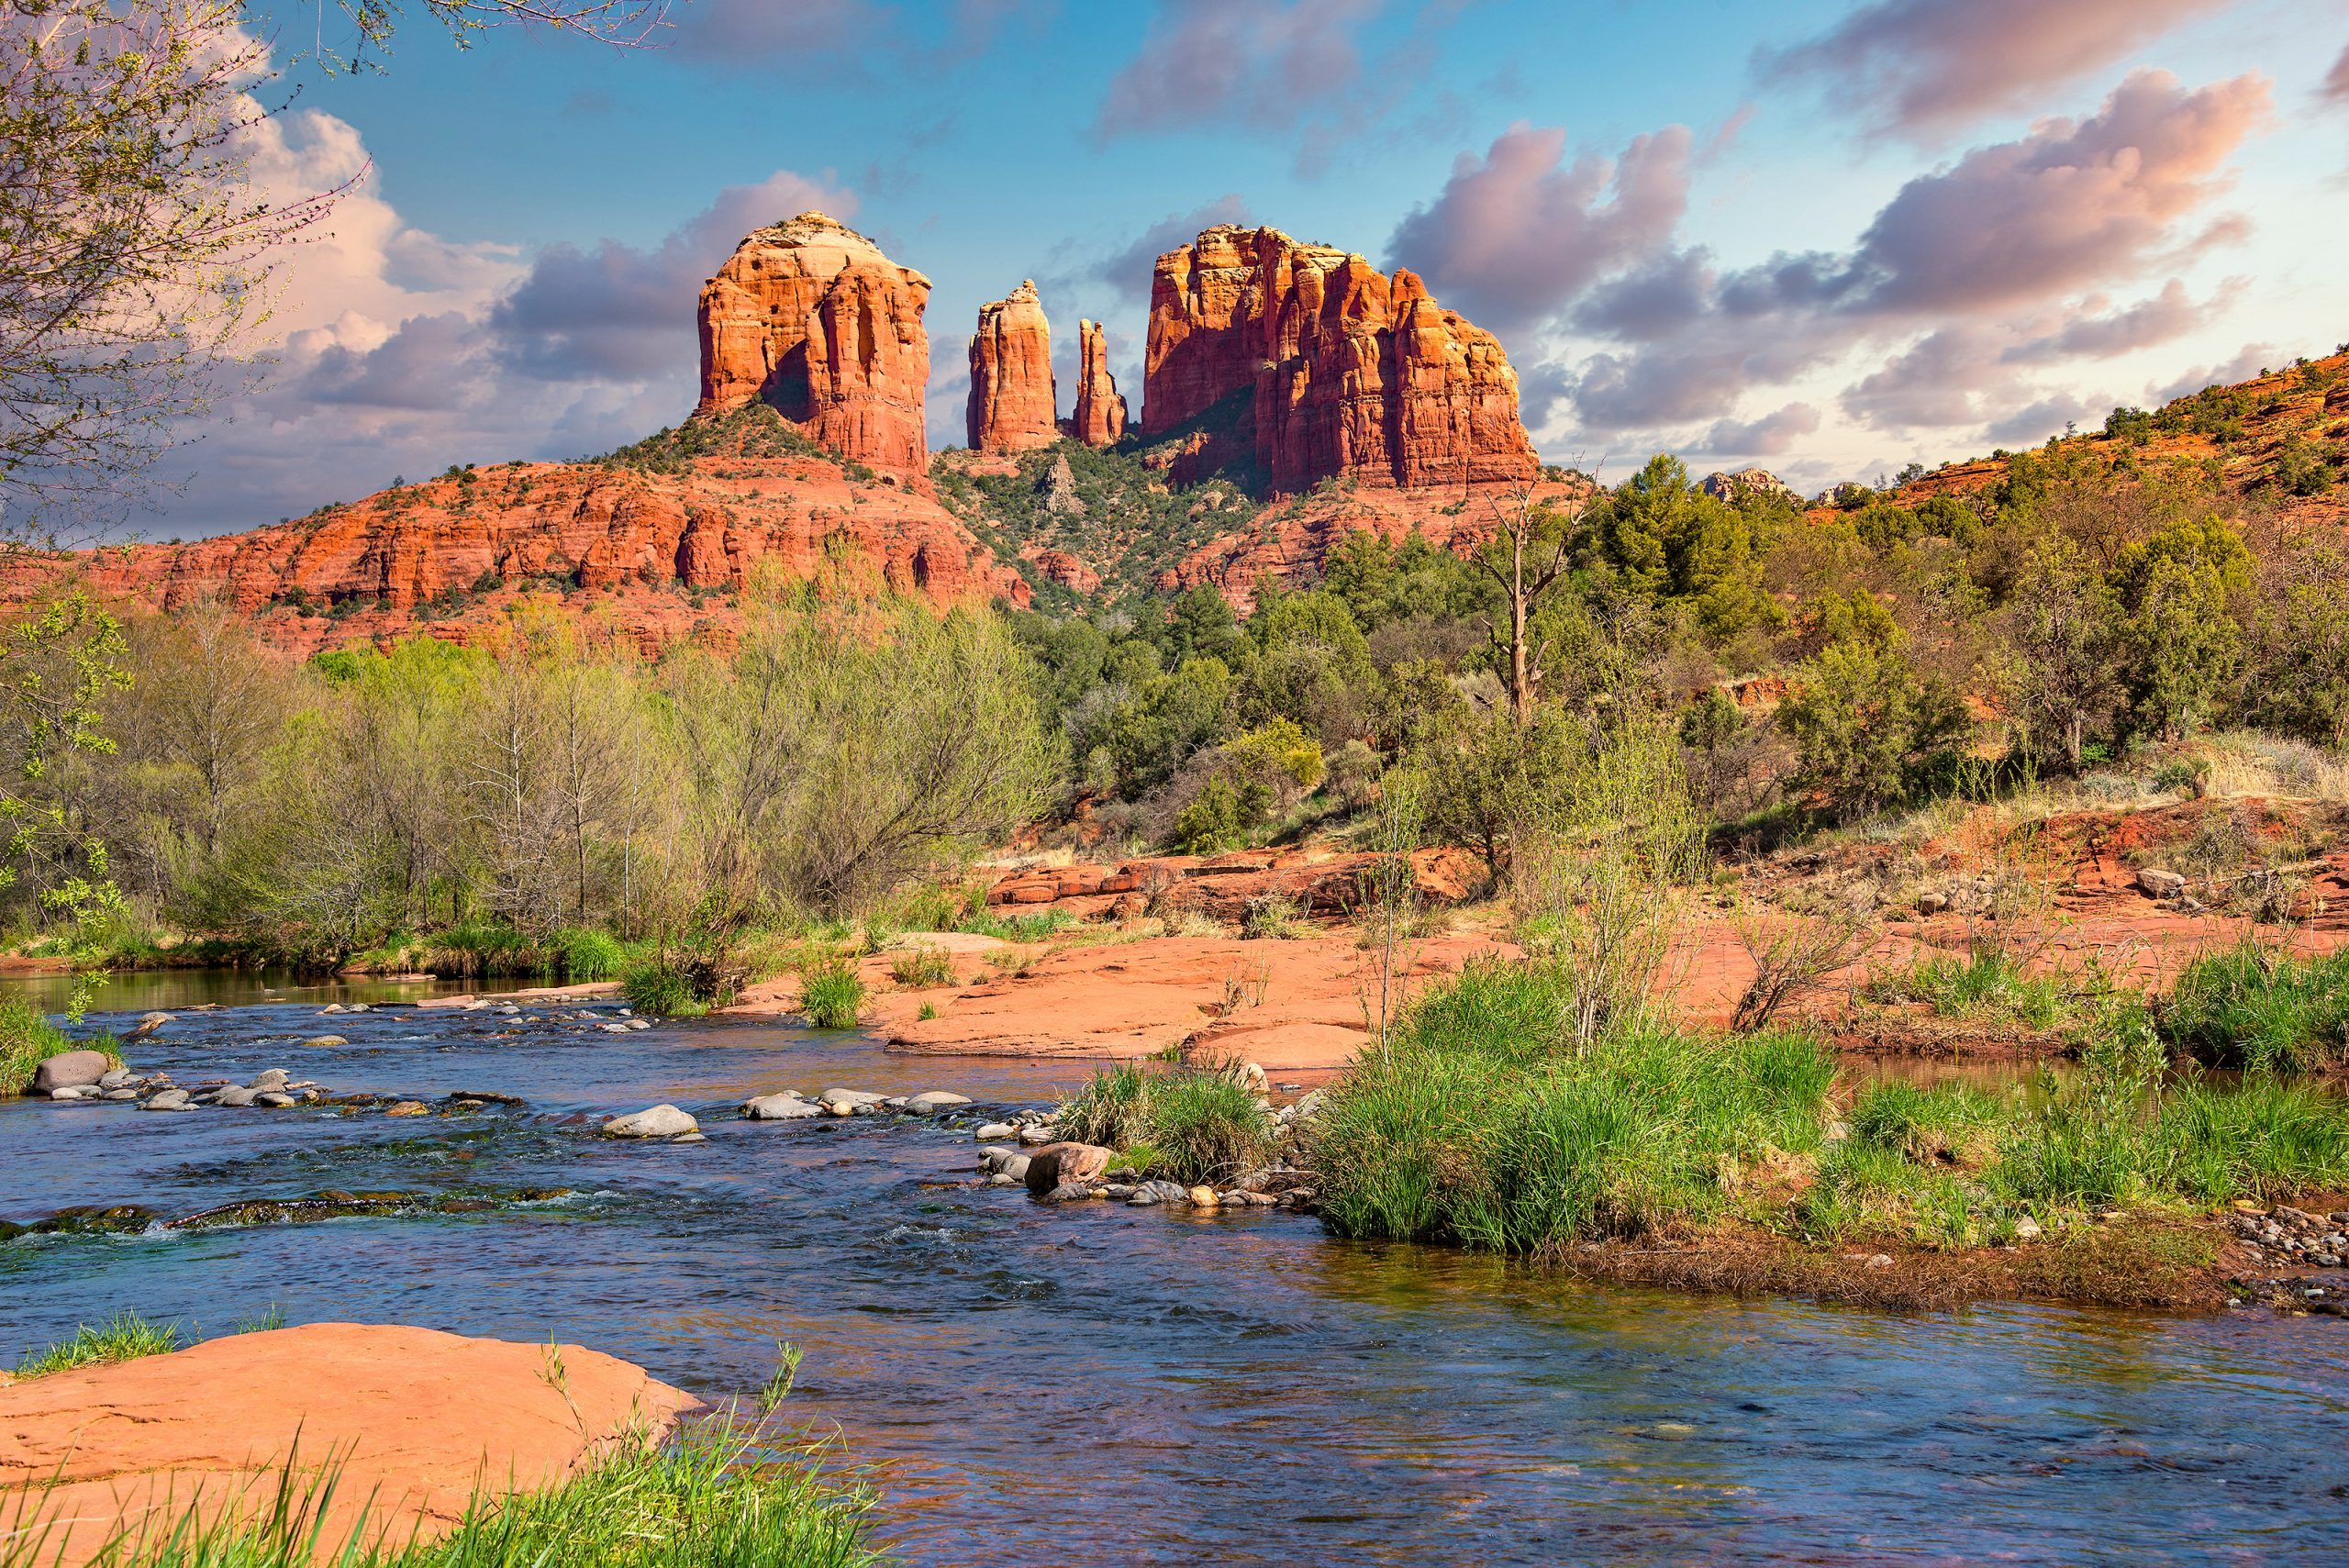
(1983, 983)
(831, 994)
(2254, 1007)
(1205, 1127)
(1112, 1109)
(662, 987)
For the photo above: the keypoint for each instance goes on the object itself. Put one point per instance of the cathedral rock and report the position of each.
(1013, 399)
(809, 315)
(1100, 416)
(1350, 372)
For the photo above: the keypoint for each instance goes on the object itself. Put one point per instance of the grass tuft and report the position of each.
(124, 1337)
(923, 967)
(2256, 1007)
(1186, 1125)
(831, 993)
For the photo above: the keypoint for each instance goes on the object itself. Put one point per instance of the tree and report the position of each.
(2181, 643)
(58, 665)
(1866, 728)
(1674, 541)
(2064, 683)
(1526, 558)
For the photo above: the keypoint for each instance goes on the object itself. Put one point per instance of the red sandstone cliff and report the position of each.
(648, 558)
(1013, 403)
(1100, 416)
(1350, 373)
(811, 317)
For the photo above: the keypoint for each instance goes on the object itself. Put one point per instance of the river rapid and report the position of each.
(1124, 1386)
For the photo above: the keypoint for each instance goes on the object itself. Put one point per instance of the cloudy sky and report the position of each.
(1827, 236)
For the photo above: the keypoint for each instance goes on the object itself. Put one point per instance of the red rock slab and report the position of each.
(417, 1420)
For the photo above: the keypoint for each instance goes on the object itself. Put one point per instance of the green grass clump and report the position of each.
(1032, 928)
(831, 993)
(715, 1499)
(589, 954)
(663, 988)
(2256, 1007)
(1186, 1125)
(27, 1039)
(124, 1337)
(1983, 984)
(921, 967)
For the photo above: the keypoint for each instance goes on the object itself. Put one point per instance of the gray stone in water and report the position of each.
(125, 1092)
(325, 1041)
(236, 1096)
(275, 1099)
(118, 1078)
(780, 1107)
(1000, 1180)
(936, 1100)
(69, 1070)
(656, 1121)
(691, 1138)
(613, 1029)
(1069, 1192)
(273, 1078)
(1040, 1133)
(850, 1097)
(75, 1092)
(639, 1023)
(995, 1129)
(169, 1100)
(1157, 1192)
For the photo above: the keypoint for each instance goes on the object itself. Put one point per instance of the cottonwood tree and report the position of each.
(1527, 557)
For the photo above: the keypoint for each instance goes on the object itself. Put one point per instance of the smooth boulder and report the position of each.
(936, 1100)
(1065, 1164)
(656, 1121)
(779, 1108)
(69, 1070)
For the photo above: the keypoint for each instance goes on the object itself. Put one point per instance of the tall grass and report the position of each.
(124, 1337)
(27, 1039)
(588, 954)
(1195, 1125)
(2256, 1007)
(662, 987)
(922, 966)
(1982, 983)
(717, 1498)
(831, 993)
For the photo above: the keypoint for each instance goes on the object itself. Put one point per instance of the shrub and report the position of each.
(663, 988)
(1111, 1109)
(124, 1337)
(920, 967)
(831, 994)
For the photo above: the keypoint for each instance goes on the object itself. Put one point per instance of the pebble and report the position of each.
(275, 1099)
(125, 1093)
(273, 1078)
(991, 1131)
(235, 1095)
(934, 1101)
(1202, 1198)
(409, 1107)
(169, 1100)
(785, 1107)
(2027, 1228)
(118, 1078)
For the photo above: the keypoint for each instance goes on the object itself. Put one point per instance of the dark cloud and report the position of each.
(1772, 435)
(1129, 270)
(1516, 236)
(1269, 63)
(1929, 66)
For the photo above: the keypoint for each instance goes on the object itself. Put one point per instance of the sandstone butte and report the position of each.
(1014, 404)
(1100, 420)
(810, 316)
(417, 1419)
(1349, 373)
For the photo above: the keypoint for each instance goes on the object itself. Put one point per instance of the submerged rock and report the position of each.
(169, 1100)
(936, 1100)
(324, 1041)
(785, 1107)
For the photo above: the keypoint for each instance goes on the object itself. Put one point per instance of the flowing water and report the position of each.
(1139, 1385)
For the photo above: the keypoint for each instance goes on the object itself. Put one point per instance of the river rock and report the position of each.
(780, 1107)
(1040, 1134)
(274, 1099)
(1071, 1191)
(1156, 1191)
(69, 1070)
(77, 1092)
(148, 1024)
(991, 1131)
(2155, 882)
(235, 1095)
(168, 1100)
(1202, 1198)
(2027, 1228)
(270, 1078)
(127, 1092)
(1059, 1164)
(325, 1041)
(657, 1121)
(853, 1099)
(936, 1100)
(408, 1108)
(118, 1078)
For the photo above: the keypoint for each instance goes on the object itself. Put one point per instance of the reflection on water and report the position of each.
(1139, 1387)
(146, 990)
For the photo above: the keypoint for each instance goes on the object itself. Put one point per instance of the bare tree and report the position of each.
(1527, 557)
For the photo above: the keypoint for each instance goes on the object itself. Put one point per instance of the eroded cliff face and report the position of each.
(1014, 404)
(810, 316)
(1100, 420)
(1347, 372)
(651, 557)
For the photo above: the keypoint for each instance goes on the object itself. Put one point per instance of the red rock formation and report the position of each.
(636, 552)
(1352, 374)
(1100, 416)
(811, 317)
(1013, 401)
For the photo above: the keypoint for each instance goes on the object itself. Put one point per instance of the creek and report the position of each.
(1129, 1386)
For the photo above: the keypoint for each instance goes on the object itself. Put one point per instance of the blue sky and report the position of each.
(1828, 236)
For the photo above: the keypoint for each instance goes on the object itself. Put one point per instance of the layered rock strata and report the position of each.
(1100, 420)
(1347, 372)
(809, 315)
(1014, 403)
